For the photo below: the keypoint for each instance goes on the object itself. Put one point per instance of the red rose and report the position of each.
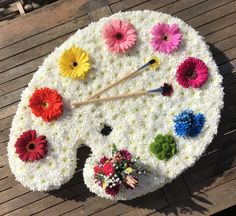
(108, 169)
(97, 169)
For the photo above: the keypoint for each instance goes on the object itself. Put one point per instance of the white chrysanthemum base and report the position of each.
(135, 121)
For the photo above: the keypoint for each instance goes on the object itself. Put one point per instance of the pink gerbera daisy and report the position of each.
(119, 36)
(166, 38)
(192, 72)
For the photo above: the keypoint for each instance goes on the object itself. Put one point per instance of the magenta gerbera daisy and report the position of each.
(166, 38)
(119, 36)
(192, 72)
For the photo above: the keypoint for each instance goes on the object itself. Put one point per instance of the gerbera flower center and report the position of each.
(165, 38)
(74, 64)
(45, 104)
(31, 146)
(191, 74)
(119, 36)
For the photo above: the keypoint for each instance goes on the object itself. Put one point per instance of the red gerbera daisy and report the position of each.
(47, 103)
(29, 147)
(192, 72)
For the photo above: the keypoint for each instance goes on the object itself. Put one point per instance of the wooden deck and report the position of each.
(206, 188)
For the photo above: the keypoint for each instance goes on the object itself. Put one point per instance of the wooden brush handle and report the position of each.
(113, 84)
(134, 94)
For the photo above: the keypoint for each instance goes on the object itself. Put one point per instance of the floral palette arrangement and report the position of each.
(140, 88)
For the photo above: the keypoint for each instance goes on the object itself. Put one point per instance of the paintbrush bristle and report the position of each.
(152, 61)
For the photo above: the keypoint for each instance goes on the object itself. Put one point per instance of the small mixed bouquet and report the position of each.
(117, 171)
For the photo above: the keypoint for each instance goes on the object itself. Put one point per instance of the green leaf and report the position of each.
(114, 149)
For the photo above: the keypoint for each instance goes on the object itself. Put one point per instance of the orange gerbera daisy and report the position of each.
(46, 103)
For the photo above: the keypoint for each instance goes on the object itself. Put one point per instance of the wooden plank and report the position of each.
(10, 98)
(228, 55)
(8, 111)
(44, 37)
(7, 183)
(124, 5)
(212, 182)
(29, 198)
(112, 1)
(32, 54)
(176, 187)
(226, 69)
(4, 172)
(3, 149)
(221, 34)
(4, 135)
(151, 5)
(15, 84)
(200, 9)
(225, 148)
(19, 201)
(205, 203)
(50, 15)
(13, 192)
(21, 70)
(144, 205)
(217, 24)
(213, 14)
(219, 163)
(37, 206)
(64, 207)
(5, 123)
(5, 3)
(99, 13)
(178, 6)
(212, 176)
(20, 7)
(223, 45)
(3, 160)
(8, 12)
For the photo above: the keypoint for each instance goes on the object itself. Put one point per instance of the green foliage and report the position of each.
(114, 149)
(164, 146)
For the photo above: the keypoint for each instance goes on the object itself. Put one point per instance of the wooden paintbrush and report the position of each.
(165, 90)
(153, 62)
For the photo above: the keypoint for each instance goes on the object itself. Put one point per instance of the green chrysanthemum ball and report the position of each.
(164, 146)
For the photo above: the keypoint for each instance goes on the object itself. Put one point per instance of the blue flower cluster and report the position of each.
(187, 124)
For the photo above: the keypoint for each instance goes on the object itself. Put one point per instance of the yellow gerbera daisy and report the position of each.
(74, 63)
